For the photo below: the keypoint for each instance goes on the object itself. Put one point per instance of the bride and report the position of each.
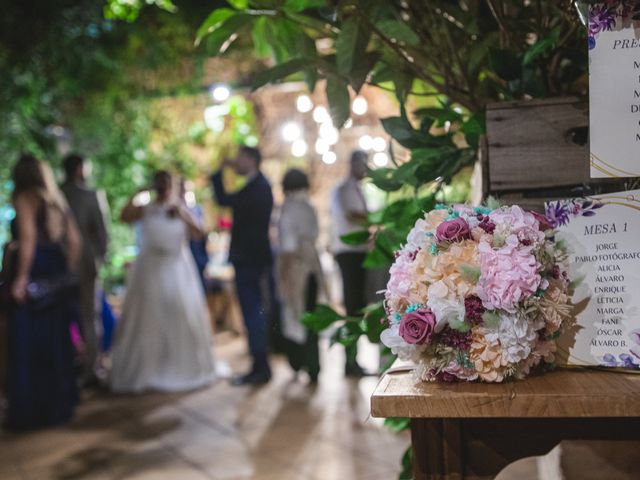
(163, 340)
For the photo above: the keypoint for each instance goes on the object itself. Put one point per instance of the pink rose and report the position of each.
(454, 230)
(417, 327)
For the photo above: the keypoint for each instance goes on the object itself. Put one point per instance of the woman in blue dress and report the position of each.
(41, 385)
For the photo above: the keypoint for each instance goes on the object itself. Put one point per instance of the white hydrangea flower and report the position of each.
(447, 311)
(405, 352)
(516, 334)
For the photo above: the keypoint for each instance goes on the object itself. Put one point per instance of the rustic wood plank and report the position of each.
(531, 144)
(563, 393)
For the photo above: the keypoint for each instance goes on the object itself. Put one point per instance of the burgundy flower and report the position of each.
(486, 224)
(454, 338)
(473, 309)
(454, 230)
(544, 223)
(417, 327)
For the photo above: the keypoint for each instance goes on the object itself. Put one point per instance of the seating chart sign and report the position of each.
(614, 90)
(601, 236)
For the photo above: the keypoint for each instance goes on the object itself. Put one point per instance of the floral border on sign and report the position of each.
(604, 16)
(560, 212)
(629, 360)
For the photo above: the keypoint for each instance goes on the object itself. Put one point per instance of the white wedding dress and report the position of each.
(163, 339)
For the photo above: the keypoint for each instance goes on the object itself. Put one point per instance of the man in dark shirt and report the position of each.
(250, 253)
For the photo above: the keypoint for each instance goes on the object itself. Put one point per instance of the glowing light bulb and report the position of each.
(220, 93)
(365, 142)
(304, 104)
(329, 133)
(321, 115)
(299, 148)
(381, 159)
(379, 144)
(291, 131)
(329, 158)
(322, 146)
(359, 106)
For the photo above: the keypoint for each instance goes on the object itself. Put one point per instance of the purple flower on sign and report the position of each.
(601, 19)
(557, 213)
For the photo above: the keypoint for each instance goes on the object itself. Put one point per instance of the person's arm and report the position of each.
(100, 225)
(196, 230)
(288, 244)
(223, 198)
(74, 243)
(132, 213)
(26, 206)
(352, 206)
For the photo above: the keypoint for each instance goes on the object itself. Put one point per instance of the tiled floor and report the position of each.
(284, 431)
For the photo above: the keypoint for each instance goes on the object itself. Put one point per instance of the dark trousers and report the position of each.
(353, 289)
(307, 355)
(252, 285)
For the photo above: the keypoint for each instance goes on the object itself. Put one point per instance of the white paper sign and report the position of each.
(614, 93)
(602, 234)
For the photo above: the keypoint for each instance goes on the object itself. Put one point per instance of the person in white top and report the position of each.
(349, 214)
(299, 273)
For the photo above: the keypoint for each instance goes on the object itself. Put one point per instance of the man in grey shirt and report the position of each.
(89, 212)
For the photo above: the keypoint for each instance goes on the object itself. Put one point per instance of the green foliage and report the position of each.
(397, 424)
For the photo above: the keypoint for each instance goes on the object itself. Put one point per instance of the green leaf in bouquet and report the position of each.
(397, 425)
(356, 238)
(321, 318)
(491, 319)
(493, 203)
(374, 321)
(470, 273)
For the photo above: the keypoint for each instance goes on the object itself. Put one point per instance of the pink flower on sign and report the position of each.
(454, 230)
(508, 275)
(417, 327)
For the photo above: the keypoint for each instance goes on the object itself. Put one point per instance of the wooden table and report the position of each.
(472, 430)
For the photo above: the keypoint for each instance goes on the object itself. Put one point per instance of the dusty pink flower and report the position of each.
(454, 230)
(417, 327)
(518, 222)
(508, 275)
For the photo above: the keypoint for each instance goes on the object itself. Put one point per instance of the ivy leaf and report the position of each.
(351, 43)
(279, 72)
(239, 4)
(540, 47)
(297, 6)
(214, 21)
(339, 100)
(397, 425)
(356, 238)
(376, 258)
(399, 31)
(321, 318)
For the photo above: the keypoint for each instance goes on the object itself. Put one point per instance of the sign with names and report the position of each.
(601, 235)
(614, 91)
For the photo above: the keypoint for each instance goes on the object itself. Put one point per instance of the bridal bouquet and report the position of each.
(477, 294)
